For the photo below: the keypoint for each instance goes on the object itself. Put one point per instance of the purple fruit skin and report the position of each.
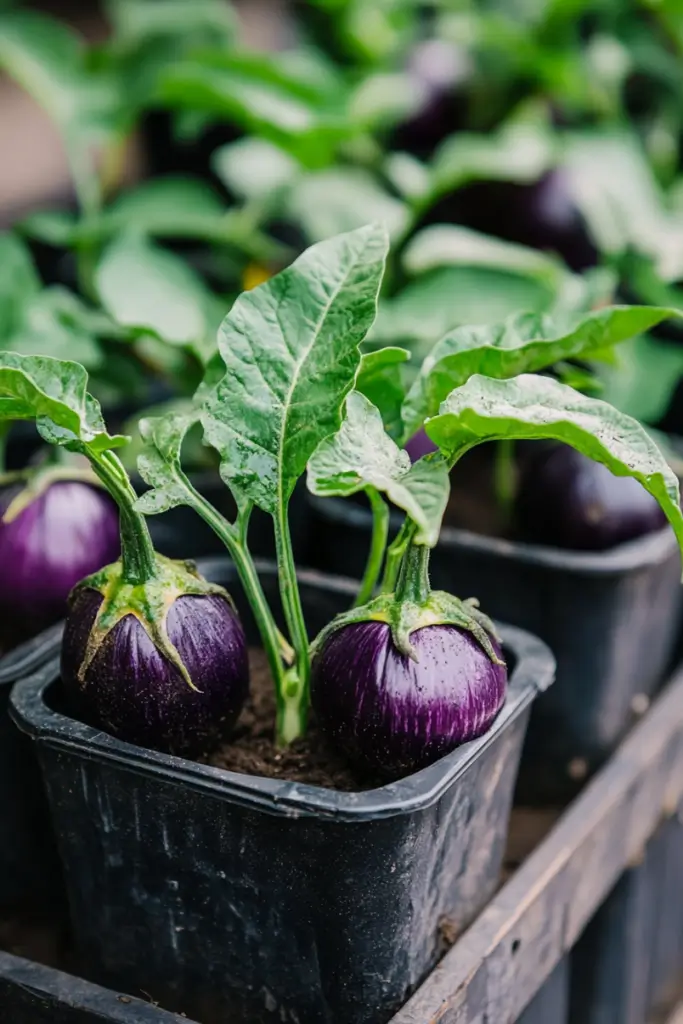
(67, 532)
(389, 713)
(419, 445)
(569, 501)
(134, 693)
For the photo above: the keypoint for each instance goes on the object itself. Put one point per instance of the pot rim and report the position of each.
(652, 548)
(533, 672)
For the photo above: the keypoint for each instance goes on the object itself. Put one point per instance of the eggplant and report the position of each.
(567, 500)
(419, 445)
(393, 714)
(162, 665)
(439, 72)
(54, 530)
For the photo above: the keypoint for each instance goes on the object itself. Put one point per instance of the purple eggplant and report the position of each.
(132, 685)
(391, 713)
(53, 532)
(419, 445)
(569, 501)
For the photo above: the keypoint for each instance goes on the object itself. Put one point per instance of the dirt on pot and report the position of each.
(252, 750)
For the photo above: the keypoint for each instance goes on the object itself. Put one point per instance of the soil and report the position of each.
(252, 751)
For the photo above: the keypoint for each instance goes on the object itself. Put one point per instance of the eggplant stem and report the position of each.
(138, 557)
(505, 476)
(294, 617)
(413, 581)
(380, 532)
(395, 553)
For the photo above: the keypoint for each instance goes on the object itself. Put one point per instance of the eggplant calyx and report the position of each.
(405, 617)
(148, 602)
(36, 482)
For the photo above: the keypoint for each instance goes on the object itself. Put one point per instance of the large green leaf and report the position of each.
(151, 289)
(437, 302)
(538, 407)
(361, 455)
(524, 343)
(253, 168)
(56, 323)
(19, 283)
(290, 349)
(447, 245)
(380, 379)
(137, 21)
(53, 392)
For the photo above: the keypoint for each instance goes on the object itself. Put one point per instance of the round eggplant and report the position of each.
(391, 713)
(180, 695)
(419, 445)
(569, 501)
(53, 532)
(439, 72)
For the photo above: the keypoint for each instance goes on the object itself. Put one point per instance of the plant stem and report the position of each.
(138, 558)
(395, 554)
(246, 570)
(296, 696)
(380, 531)
(505, 476)
(413, 580)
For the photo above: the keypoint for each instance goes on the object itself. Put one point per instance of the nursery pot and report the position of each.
(251, 900)
(611, 618)
(28, 859)
(550, 1005)
(33, 994)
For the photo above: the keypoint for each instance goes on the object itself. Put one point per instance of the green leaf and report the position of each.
(159, 464)
(260, 96)
(56, 323)
(519, 152)
(361, 455)
(137, 21)
(254, 168)
(444, 299)
(290, 349)
(444, 245)
(538, 407)
(150, 289)
(524, 343)
(338, 200)
(643, 381)
(380, 379)
(54, 392)
(19, 283)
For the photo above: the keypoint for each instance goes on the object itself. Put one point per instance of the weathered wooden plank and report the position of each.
(499, 964)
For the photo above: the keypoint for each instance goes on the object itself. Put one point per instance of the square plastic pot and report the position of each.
(630, 957)
(550, 1005)
(252, 900)
(29, 870)
(33, 994)
(611, 618)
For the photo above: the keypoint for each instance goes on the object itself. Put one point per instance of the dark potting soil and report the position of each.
(252, 751)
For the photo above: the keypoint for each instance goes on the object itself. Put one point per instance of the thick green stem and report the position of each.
(413, 580)
(395, 555)
(138, 559)
(505, 476)
(296, 697)
(380, 532)
(246, 570)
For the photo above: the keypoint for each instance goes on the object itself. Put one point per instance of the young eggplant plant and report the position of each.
(151, 652)
(407, 674)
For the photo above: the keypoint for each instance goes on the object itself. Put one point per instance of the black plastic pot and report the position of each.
(630, 957)
(251, 900)
(611, 618)
(29, 871)
(33, 994)
(550, 1005)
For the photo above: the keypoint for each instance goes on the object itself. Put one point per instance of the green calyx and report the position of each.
(406, 616)
(149, 602)
(37, 481)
